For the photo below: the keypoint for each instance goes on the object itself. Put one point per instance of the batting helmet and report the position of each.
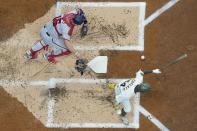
(144, 87)
(80, 18)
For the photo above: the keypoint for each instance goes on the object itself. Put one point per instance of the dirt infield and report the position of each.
(172, 99)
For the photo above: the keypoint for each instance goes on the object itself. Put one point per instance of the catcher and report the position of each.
(56, 34)
(127, 89)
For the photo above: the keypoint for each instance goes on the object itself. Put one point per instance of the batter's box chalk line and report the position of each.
(137, 108)
(132, 47)
(140, 47)
(51, 105)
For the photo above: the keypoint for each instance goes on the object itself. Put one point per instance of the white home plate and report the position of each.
(99, 64)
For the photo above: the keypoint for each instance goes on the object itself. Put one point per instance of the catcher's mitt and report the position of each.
(84, 30)
(81, 65)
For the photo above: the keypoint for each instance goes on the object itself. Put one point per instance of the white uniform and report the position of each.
(125, 90)
(53, 34)
(54, 40)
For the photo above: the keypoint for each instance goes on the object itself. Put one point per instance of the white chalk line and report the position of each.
(153, 119)
(50, 124)
(141, 27)
(136, 116)
(51, 104)
(101, 4)
(93, 125)
(139, 47)
(160, 11)
(110, 47)
(132, 47)
(134, 124)
(48, 83)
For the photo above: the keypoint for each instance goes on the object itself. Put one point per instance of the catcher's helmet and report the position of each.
(144, 87)
(80, 18)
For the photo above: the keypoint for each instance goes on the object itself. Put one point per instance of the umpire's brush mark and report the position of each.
(38, 72)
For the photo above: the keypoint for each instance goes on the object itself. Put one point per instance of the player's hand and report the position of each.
(156, 71)
(140, 72)
(77, 55)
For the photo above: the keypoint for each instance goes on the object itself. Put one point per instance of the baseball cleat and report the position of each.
(125, 120)
(49, 58)
(29, 56)
(118, 112)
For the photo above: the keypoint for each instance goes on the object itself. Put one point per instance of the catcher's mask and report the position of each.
(144, 87)
(80, 18)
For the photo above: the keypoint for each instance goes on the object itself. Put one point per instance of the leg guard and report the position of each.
(33, 52)
(50, 57)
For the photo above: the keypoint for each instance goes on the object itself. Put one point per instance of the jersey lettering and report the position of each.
(129, 85)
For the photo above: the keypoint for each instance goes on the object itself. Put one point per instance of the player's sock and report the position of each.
(36, 48)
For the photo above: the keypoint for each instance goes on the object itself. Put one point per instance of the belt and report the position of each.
(47, 32)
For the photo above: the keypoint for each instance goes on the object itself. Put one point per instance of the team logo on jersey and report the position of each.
(127, 84)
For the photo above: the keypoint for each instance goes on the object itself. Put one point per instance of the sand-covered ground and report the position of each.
(14, 67)
(109, 26)
(172, 99)
(35, 98)
(89, 103)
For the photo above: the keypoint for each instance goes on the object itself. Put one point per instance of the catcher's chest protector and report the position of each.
(67, 19)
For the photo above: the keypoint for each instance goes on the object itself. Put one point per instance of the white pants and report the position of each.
(125, 103)
(57, 45)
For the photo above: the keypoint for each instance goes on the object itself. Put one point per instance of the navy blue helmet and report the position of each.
(80, 18)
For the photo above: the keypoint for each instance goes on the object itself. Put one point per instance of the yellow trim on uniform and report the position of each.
(111, 86)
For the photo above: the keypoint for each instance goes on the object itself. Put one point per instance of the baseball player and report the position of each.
(57, 34)
(127, 89)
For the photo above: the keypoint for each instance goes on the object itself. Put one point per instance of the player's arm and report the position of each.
(155, 71)
(71, 49)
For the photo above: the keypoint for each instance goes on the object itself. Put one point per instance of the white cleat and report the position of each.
(118, 112)
(125, 120)
(45, 56)
(49, 58)
(27, 55)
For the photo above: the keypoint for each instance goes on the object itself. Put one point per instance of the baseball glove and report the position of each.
(84, 30)
(81, 65)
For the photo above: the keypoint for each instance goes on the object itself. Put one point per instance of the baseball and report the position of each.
(142, 57)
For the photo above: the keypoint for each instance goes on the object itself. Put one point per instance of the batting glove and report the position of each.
(156, 71)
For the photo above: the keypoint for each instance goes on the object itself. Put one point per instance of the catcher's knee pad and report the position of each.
(51, 56)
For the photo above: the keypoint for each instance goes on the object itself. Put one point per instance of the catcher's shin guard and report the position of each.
(33, 52)
(50, 57)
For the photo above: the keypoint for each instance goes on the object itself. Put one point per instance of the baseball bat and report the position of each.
(175, 61)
